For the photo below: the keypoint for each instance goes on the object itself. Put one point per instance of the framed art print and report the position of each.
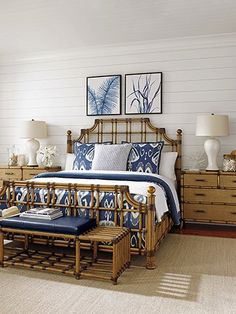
(103, 95)
(143, 93)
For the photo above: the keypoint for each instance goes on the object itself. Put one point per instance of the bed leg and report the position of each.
(77, 258)
(150, 260)
(181, 226)
(1, 249)
(150, 236)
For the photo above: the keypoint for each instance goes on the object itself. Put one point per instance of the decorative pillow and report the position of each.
(145, 157)
(84, 153)
(111, 157)
(84, 156)
(70, 158)
(167, 165)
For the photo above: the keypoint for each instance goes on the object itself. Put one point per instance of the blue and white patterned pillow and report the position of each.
(145, 157)
(84, 153)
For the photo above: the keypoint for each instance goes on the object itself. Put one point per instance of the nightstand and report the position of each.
(22, 173)
(208, 196)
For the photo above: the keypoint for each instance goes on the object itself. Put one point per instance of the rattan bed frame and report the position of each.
(131, 130)
(115, 130)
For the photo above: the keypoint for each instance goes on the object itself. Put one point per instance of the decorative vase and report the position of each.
(47, 161)
(48, 153)
(12, 156)
(21, 160)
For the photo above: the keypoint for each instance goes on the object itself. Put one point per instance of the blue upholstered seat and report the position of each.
(64, 225)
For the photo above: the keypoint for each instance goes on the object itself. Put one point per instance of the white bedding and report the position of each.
(134, 187)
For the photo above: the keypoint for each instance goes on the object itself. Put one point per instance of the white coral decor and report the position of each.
(48, 153)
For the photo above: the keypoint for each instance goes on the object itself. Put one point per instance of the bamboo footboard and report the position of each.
(146, 232)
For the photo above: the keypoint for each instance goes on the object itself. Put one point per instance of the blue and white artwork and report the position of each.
(104, 95)
(143, 93)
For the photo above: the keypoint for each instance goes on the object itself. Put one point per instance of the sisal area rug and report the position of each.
(194, 275)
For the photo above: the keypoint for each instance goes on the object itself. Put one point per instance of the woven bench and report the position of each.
(119, 238)
(72, 229)
(64, 228)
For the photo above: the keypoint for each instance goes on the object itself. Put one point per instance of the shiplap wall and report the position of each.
(199, 76)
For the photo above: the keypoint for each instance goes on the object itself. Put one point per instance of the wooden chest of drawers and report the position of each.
(208, 197)
(22, 173)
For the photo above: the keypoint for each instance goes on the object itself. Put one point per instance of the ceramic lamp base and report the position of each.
(212, 148)
(32, 146)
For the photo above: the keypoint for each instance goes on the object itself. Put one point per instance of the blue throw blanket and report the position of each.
(122, 177)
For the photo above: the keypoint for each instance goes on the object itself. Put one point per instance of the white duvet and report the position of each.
(134, 187)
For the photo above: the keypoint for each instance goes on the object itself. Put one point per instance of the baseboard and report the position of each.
(210, 230)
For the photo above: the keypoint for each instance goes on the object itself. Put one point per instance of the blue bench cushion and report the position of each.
(64, 225)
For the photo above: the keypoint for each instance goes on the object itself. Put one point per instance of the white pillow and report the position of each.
(69, 161)
(111, 157)
(167, 165)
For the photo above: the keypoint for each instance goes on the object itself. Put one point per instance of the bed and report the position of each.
(120, 198)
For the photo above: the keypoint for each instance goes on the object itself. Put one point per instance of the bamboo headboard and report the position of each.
(129, 130)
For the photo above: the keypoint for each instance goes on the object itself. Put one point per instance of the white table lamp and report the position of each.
(212, 126)
(33, 129)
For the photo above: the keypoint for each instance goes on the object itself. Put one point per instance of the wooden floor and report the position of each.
(207, 230)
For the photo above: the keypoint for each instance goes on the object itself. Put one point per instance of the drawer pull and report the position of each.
(233, 213)
(199, 211)
(32, 174)
(9, 173)
(234, 181)
(233, 195)
(199, 194)
(200, 180)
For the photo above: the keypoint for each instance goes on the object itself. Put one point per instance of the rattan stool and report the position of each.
(119, 238)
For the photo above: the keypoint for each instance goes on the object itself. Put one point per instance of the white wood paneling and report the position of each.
(199, 76)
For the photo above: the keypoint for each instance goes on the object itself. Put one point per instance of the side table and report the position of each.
(119, 238)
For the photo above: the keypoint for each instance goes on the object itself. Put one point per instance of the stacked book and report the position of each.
(10, 212)
(42, 213)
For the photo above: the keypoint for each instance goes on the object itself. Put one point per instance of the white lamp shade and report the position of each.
(33, 129)
(212, 125)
